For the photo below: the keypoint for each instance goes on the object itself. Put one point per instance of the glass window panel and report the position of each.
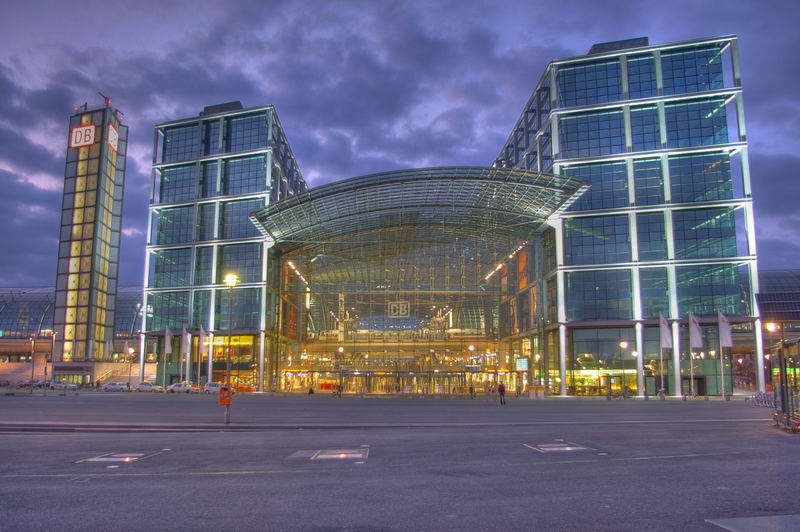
(644, 129)
(641, 76)
(177, 184)
(592, 134)
(247, 133)
(704, 290)
(599, 295)
(235, 219)
(243, 176)
(648, 181)
(597, 240)
(695, 70)
(697, 178)
(704, 233)
(175, 225)
(609, 185)
(654, 286)
(173, 267)
(180, 144)
(589, 83)
(652, 236)
(699, 123)
(242, 259)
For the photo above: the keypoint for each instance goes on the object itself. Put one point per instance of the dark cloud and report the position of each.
(360, 87)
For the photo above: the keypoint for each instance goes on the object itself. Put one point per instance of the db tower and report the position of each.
(89, 240)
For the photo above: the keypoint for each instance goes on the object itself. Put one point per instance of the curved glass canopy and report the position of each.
(455, 200)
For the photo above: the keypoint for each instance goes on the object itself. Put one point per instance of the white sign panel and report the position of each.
(81, 136)
(113, 137)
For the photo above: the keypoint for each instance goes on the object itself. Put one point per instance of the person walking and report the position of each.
(501, 391)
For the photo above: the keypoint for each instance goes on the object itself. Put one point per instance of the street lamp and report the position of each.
(231, 279)
(130, 365)
(623, 345)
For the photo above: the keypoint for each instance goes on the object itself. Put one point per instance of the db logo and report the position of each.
(81, 136)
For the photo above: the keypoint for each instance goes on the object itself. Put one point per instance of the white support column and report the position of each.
(640, 359)
(142, 348)
(562, 358)
(676, 359)
(759, 338)
(261, 351)
(210, 362)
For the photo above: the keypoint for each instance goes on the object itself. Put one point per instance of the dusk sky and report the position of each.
(359, 87)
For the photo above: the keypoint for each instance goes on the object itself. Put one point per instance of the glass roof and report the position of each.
(419, 205)
(25, 310)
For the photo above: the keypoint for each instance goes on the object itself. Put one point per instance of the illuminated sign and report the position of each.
(398, 309)
(81, 136)
(113, 137)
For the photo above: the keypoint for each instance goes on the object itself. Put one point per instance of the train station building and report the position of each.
(621, 195)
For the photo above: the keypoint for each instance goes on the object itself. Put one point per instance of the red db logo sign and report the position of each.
(81, 136)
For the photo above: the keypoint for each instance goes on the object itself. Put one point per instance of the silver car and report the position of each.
(116, 387)
(63, 385)
(147, 386)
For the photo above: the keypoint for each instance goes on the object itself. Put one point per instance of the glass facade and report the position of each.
(210, 173)
(666, 227)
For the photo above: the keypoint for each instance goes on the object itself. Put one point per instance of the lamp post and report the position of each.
(623, 345)
(33, 363)
(130, 365)
(231, 279)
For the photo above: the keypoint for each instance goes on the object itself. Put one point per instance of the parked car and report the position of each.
(63, 385)
(116, 387)
(211, 387)
(182, 387)
(25, 384)
(146, 386)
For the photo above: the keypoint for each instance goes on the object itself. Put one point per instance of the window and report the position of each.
(173, 267)
(242, 259)
(202, 270)
(644, 129)
(597, 240)
(652, 236)
(211, 137)
(641, 76)
(654, 286)
(180, 144)
(589, 83)
(692, 70)
(243, 176)
(208, 179)
(609, 185)
(704, 233)
(696, 123)
(235, 219)
(205, 221)
(704, 290)
(247, 133)
(648, 181)
(170, 309)
(599, 295)
(177, 184)
(175, 225)
(246, 307)
(591, 134)
(701, 178)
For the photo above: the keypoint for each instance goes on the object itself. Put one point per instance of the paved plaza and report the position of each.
(125, 461)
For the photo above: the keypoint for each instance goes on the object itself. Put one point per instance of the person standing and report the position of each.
(501, 391)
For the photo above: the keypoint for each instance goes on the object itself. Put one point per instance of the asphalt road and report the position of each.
(122, 461)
